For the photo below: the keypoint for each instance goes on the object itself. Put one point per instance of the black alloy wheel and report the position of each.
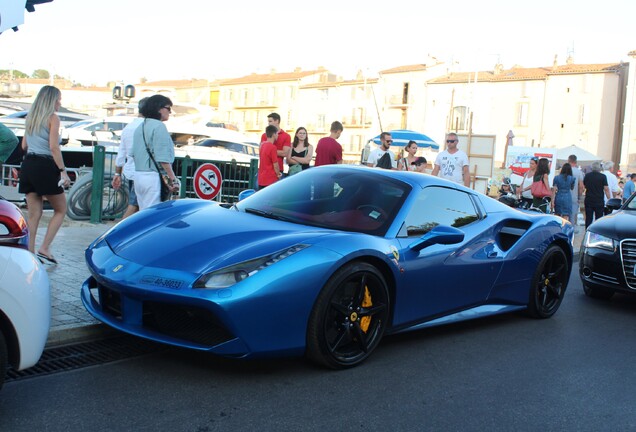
(349, 317)
(549, 283)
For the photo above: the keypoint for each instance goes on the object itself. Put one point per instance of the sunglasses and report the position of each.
(388, 141)
(168, 108)
(450, 141)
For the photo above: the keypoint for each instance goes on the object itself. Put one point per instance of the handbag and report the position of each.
(294, 169)
(539, 189)
(165, 193)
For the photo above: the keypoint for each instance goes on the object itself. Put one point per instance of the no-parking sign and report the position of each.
(207, 181)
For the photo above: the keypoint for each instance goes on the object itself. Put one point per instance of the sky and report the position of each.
(96, 41)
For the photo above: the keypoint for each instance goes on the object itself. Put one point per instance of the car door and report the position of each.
(439, 279)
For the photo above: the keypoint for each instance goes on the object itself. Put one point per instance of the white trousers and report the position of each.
(147, 188)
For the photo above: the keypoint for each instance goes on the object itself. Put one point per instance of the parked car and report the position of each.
(25, 302)
(607, 262)
(324, 263)
(104, 131)
(239, 147)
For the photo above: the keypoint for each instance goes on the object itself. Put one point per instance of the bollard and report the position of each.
(99, 156)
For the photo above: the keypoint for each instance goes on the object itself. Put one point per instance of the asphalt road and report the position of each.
(572, 372)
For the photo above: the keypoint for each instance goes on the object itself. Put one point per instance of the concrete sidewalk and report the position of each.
(69, 320)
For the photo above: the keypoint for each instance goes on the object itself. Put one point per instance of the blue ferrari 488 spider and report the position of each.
(324, 263)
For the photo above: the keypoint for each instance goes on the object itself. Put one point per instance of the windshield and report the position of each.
(345, 200)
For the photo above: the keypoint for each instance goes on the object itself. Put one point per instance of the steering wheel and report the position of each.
(370, 208)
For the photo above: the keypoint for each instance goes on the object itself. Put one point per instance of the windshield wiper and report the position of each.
(266, 214)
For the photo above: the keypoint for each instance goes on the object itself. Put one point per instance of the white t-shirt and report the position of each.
(124, 152)
(451, 166)
(377, 153)
(612, 183)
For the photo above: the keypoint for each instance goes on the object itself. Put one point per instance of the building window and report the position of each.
(460, 118)
(405, 93)
(522, 114)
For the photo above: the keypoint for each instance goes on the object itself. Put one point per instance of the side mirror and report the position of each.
(441, 234)
(614, 203)
(244, 194)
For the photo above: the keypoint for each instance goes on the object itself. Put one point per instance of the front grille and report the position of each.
(183, 322)
(110, 301)
(628, 255)
(187, 323)
(604, 278)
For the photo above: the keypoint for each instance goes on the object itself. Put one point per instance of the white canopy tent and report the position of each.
(583, 157)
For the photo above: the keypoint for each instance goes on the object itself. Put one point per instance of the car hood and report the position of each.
(619, 225)
(196, 236)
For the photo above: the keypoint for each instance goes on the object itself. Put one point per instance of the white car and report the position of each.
(103, 131)
(25, 298)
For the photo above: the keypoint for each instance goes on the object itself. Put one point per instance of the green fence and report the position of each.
(235, 177)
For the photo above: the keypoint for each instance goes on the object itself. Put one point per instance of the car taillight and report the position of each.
(13, 227)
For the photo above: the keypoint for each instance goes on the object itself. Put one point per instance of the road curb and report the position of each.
(77, 334)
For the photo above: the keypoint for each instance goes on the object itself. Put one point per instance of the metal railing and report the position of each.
(235, 177)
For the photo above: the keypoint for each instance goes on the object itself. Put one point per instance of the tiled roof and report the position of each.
(406, 68)
(330, 84)
(184, 83)
(271, 77)
(519, 73)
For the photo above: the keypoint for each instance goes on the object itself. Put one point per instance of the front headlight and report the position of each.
(231, 275)
(594, 240)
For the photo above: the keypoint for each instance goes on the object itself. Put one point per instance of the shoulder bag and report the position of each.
(166, 191)
(539, 189)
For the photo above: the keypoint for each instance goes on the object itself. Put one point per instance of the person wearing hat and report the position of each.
(125, 163)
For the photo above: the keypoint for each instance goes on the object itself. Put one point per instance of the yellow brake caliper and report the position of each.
(366, 320)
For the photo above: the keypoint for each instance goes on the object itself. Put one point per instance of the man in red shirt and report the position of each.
(328, 150)
(268, 171)
(283, 142)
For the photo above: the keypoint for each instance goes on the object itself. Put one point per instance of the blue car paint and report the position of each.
(269, 311)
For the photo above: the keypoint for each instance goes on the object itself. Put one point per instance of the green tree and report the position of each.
(41, 74)
(6, 73)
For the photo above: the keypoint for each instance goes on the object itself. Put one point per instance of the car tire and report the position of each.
(597, 292)
(349, 317)
(4, 359)
(549, 283)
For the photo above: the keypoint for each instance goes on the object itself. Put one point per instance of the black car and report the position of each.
(608, 253)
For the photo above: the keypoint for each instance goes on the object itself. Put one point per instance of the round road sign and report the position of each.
(207, 181)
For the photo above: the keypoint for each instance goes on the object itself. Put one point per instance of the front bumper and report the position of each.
(608, 269)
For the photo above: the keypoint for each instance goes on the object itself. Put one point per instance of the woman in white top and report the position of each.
(524, 192)
(409, 163)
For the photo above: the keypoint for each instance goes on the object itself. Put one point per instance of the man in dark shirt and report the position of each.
(596, 187)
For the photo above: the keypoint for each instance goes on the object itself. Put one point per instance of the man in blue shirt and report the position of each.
(630, 186)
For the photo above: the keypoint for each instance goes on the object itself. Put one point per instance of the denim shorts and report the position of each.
(132, 197)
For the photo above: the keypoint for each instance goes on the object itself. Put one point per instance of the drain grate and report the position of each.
(69, 357)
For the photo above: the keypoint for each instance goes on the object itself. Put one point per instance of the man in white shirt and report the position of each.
(612, 181)
(377, 153)
(452, 163)
(125, 164)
